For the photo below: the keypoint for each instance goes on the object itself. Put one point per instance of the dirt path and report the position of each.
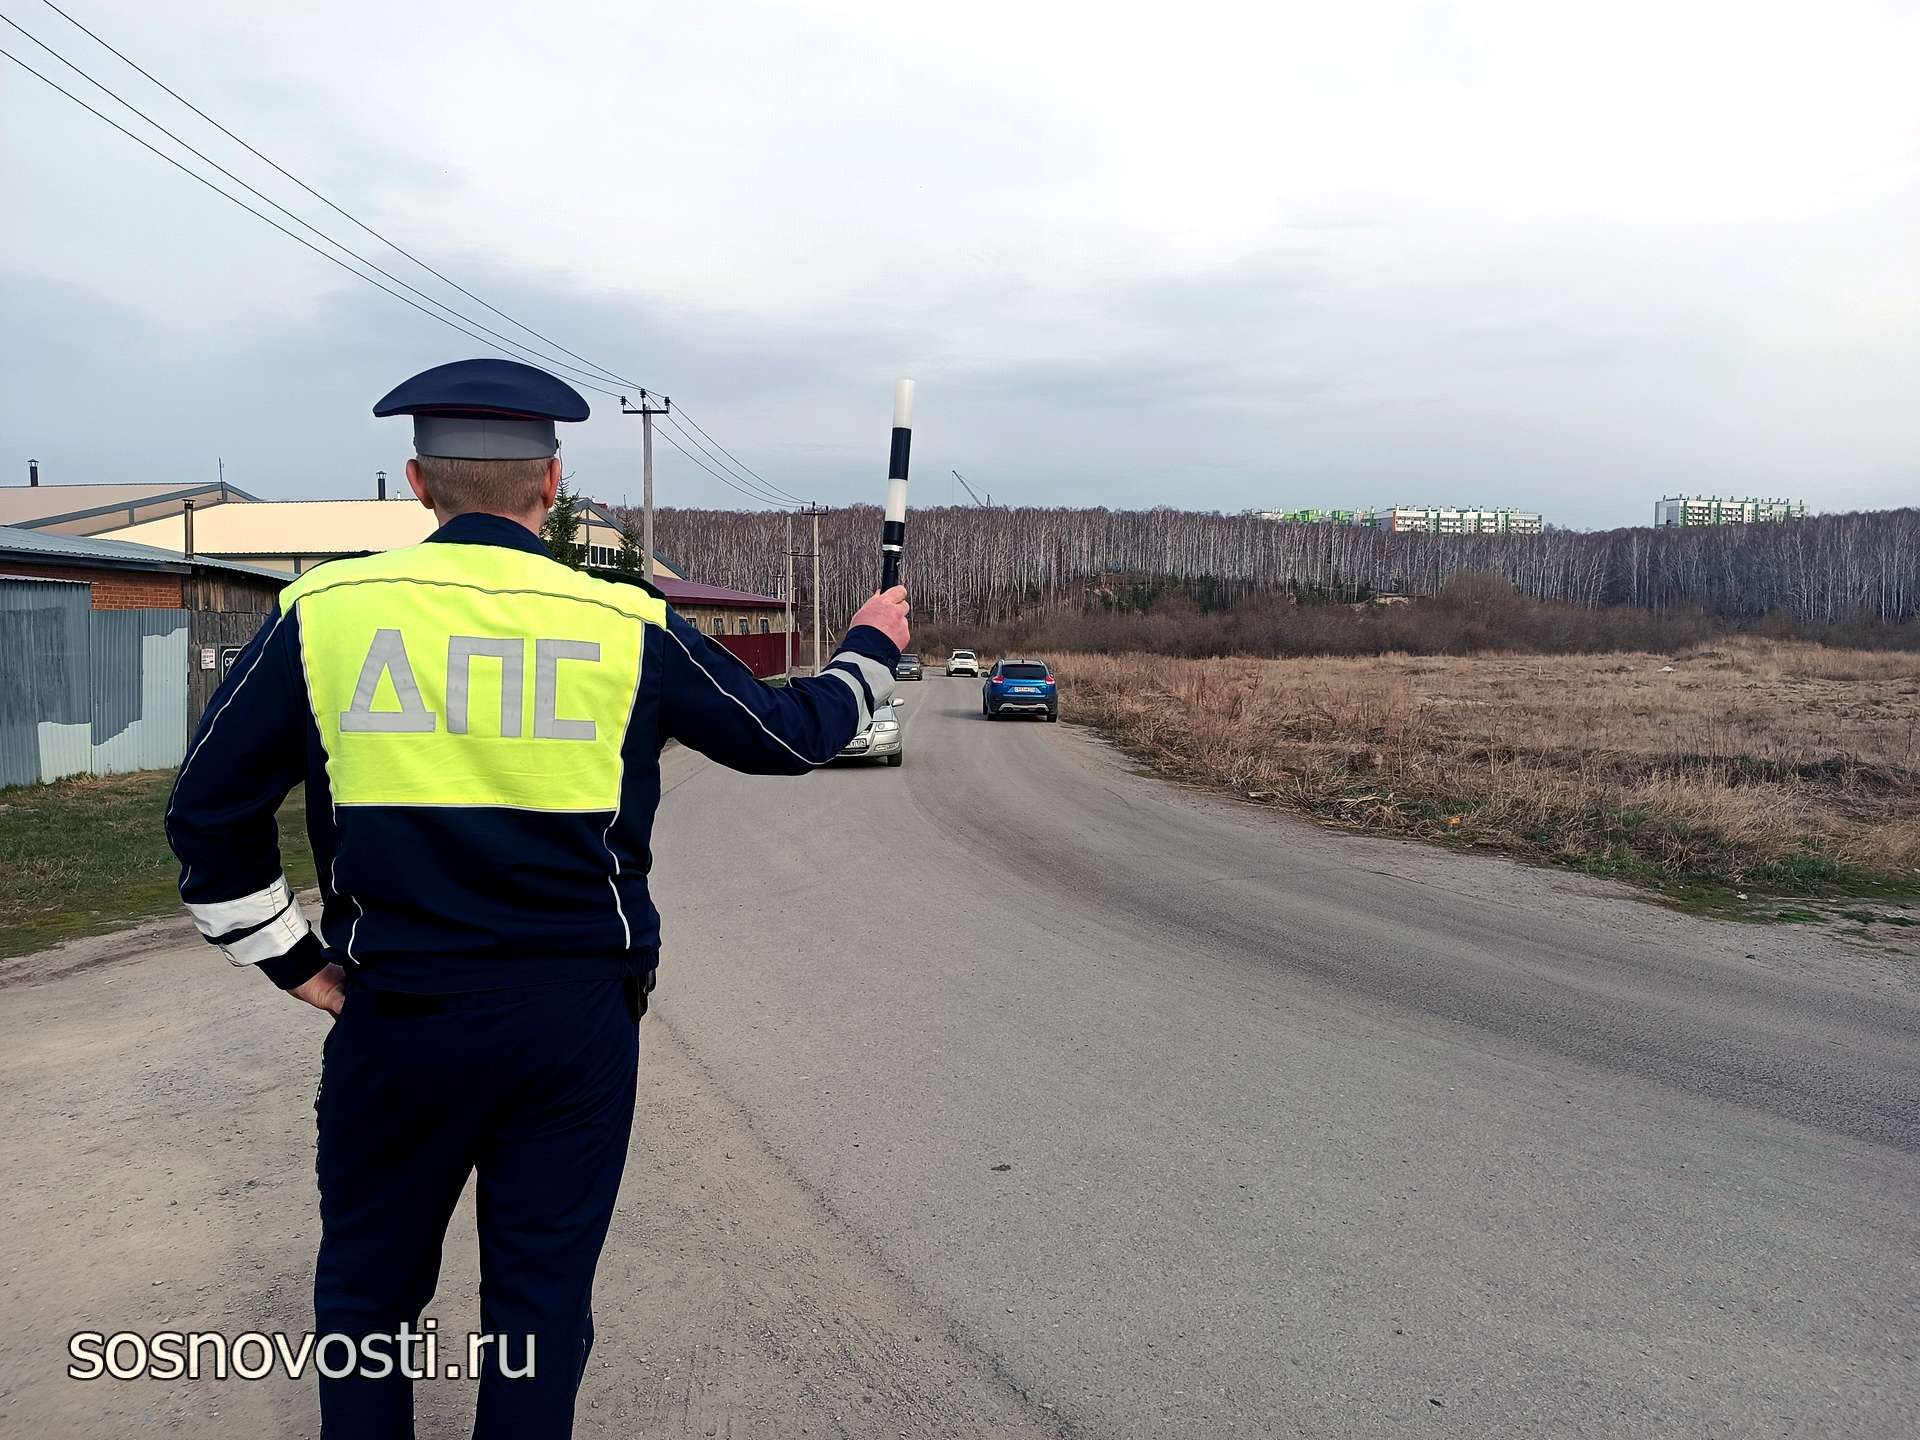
(157, 1131)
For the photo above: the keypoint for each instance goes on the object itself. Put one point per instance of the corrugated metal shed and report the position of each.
(85, 691)
(137, 688)
(45, 708)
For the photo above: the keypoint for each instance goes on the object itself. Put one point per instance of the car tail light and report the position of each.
(1049, 679)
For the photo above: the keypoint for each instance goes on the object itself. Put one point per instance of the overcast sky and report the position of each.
(1561, 257)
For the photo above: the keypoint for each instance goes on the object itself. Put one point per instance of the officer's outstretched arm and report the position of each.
(249, 752)
(712, 703)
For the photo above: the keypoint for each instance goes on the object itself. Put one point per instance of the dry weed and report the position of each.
(1762, 763)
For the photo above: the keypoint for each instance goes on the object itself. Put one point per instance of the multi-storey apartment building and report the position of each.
(1446, 520)
(1712, 510)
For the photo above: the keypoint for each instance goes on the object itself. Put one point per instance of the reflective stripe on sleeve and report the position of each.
(270, 941)
(879, 677)
(222, 917)
(859, 693)
(694, 660)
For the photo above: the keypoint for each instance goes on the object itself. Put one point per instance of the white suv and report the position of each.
(963, 662)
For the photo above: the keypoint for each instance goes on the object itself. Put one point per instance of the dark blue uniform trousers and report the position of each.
(531, 1088)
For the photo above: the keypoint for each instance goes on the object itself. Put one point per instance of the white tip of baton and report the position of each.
(902, 404)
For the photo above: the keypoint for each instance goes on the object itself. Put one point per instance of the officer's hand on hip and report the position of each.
(326, 991)
(887, 613)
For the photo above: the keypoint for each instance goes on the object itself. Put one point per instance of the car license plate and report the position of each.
(1025, 690)
(859, 744)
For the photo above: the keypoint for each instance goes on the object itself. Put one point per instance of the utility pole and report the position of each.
(788, 592)
(646, 413)
(815, 512)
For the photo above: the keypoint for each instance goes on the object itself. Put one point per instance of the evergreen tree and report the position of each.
(628, 558)
(561, 527)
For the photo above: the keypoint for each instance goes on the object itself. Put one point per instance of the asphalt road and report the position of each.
(1013, 1093)
(1195, 1121)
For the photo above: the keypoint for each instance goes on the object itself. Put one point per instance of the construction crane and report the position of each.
(986, 504)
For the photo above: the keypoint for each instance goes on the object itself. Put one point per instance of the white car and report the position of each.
(963, 662)
(884, 739)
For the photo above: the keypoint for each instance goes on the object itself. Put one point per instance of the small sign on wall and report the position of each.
(228, 655)
(207, 657)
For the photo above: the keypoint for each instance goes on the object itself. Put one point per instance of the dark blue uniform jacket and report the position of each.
(442, 897)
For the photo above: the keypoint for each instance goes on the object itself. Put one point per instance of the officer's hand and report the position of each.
(887, 613)
(326, 991)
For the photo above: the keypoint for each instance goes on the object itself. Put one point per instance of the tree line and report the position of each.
(980, 566)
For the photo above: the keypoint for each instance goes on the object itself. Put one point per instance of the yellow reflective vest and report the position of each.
(479, 730)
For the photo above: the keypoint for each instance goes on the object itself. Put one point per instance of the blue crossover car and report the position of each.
(1020, 687)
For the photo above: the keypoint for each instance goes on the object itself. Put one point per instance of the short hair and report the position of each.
(500, 487)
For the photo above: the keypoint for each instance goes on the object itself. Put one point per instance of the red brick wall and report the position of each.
(119, 589)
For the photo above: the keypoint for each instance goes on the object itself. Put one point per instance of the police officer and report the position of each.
(479, 730)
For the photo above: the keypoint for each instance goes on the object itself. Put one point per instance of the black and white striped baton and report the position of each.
(893, 529)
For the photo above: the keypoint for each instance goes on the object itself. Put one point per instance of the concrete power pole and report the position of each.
(646, 496)
(815, 512)
(789, 596)
(646, 413)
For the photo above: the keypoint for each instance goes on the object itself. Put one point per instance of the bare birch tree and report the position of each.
(973, 565)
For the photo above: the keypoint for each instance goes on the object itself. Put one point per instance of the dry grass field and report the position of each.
(1776, 767)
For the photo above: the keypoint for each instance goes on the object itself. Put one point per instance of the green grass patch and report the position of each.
(88, 855)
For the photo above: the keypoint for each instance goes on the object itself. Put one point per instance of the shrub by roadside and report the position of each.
(1474, 613)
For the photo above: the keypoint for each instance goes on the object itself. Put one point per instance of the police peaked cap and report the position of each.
(484, 410)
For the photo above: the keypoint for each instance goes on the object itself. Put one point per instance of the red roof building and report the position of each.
(753, 627)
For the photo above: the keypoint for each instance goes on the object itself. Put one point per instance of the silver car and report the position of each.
(885, 739)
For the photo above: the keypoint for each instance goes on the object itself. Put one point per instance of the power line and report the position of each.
(267, 219)
(756, 488)
(767, 491)
(756, 482)
(731, 456)
(738, 467)
(718, 475)
(347, 214)
(520, 348)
